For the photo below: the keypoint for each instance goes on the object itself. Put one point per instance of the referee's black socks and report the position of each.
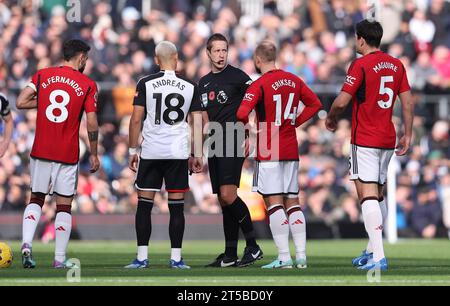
(231, 231)
(242, 215)
(177, 223)
(143, 221)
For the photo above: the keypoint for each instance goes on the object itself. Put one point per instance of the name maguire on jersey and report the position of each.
(374, 81)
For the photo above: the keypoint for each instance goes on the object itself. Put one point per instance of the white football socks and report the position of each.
(373, 221)
(176, 255)
(142, 253)
(31, 218)
(384, 210)
(63, 227)
(297, 224)
(384, 214)
(279, 226)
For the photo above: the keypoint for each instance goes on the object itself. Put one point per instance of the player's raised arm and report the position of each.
(27, 99)
(28, 96)
(408, 117)
(312, 105)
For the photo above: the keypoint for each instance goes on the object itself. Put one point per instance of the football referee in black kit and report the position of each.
(221, 92)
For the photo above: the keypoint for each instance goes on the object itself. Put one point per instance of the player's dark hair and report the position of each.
(267, 51)
(371, 31)
(73, 47)
(213, 38)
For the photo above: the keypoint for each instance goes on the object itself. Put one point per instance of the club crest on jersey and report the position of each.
(205, 100)
(222, 97)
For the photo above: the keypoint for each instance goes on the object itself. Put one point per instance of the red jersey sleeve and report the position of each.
(354, 79)
(251, 98)
(404, 84)
(91, 100)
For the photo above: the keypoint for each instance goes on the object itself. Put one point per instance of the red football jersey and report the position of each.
(63, 94)
(276, 97)
(375, 81)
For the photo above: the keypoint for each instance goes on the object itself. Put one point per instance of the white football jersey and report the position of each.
(4, 106)
(168, 99)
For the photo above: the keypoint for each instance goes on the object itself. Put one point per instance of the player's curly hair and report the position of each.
(73, 47)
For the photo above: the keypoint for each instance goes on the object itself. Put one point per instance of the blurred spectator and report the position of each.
(441, 62)
(422, 30)
(424, 73)
(426, 215)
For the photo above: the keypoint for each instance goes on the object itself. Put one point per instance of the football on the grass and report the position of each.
(6, 255)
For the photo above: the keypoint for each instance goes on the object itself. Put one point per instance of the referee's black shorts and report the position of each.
(225, 171)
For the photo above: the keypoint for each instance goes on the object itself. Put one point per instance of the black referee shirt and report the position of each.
(222, 93)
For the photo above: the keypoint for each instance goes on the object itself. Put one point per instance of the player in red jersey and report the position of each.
(61, 95)
(276, 97)
(373, 83)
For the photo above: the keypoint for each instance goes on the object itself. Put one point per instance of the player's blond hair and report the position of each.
(166, 51)
(267, 51)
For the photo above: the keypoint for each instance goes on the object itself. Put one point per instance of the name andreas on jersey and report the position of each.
(167, 100)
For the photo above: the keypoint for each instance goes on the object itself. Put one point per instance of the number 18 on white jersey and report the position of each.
(168, 99)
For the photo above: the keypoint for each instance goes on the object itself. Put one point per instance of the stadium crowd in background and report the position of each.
(315, 39)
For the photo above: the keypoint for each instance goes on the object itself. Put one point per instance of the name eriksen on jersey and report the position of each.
(282, 83)
(164, 82)
(384, 65)
(64, 80)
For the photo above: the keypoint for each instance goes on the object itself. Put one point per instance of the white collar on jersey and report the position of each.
(169, 72)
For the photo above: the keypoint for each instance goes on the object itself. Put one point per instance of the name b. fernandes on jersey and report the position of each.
(64, 80)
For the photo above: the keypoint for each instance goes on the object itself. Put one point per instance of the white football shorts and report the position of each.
(369, 165)
(53, 178)
(276, 178)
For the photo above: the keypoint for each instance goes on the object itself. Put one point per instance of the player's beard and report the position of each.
(82, 67)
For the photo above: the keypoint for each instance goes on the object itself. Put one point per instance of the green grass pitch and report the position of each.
(412, 262)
